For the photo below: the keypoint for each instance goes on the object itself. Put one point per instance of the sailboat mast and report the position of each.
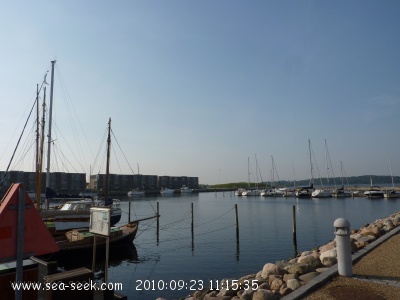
(108, 161)
(37, 150)
(327, 164)
(42, 139)
(391, 173)
(311, 165)
(50, 121)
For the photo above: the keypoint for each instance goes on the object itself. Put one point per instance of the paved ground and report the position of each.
(375, 276)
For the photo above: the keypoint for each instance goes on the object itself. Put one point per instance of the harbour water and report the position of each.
(169, 262)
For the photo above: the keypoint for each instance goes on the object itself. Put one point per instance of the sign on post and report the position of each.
(100, 218)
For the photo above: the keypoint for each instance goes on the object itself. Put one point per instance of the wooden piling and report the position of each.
(294, 229)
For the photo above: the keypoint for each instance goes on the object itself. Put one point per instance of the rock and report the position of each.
(293, 284)
(300, 269)
(367, 238)
(329, 261)
(271, 269)
(288, 276)
(227, 292)
(285, 291)
(306, 253)
(198, 295)
(327, 247)
(307, 277)
(276, 284)
(353, 245)
(370, 230)
(210, 297)
(310, 260)
(264, 286)
(356, 236)
(265, 295)
(328, 258)
(246, 295)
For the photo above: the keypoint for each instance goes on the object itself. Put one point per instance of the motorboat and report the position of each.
(374, 192)
(167, 191)
(268, 193)
(391, 194)
(136, 192)
(341, 193)
(239, 192)
(305, 192)
(285, 192)
(251, 193)
(185, 189)
(321, 193)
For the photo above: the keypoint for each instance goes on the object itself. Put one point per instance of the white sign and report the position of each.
(100, 218)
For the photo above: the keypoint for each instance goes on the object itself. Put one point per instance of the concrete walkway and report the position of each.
(376, 275)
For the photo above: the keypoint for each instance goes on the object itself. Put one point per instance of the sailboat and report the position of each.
(251, 192)
(322, 192)
(137, 191)
(305, 192)
(271, 192)
(391, 193)
(83, 239)
(341, 192)
(75, 213)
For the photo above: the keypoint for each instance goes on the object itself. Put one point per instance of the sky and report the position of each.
(201, 88)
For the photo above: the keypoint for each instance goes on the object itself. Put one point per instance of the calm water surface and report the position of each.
(212, 252)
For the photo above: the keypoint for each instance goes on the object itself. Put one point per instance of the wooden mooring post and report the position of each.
(158, 222)
(294, 230)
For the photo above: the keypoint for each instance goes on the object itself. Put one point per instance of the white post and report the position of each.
(342, 232)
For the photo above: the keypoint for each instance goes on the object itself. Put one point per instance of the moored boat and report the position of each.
(374, 192)
(136, 192)
(76, 214)
(341, 193)
(305, 192)
(321, 193)
(185, 189)
(79, 239)
(391, 194)
(167, 191)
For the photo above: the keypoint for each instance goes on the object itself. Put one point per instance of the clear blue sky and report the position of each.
(196, 87)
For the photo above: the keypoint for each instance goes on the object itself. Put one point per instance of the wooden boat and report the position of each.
(79, 239)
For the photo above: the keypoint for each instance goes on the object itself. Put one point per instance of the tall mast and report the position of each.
(108, 161)
(327, 165)
(37, 150)
(391, 173)
(50, 121)
(311, 165)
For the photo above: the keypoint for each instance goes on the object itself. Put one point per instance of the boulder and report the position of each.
(265, 295)
(288, 276)
(310, 260)
(276, 284)
(293, 284)
(246, 294)
(329, 258)
(300, 269)
(271, 269)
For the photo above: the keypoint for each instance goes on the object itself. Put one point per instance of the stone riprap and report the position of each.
(277, 280)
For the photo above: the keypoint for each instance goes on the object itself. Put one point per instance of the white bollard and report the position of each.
(343, 248)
